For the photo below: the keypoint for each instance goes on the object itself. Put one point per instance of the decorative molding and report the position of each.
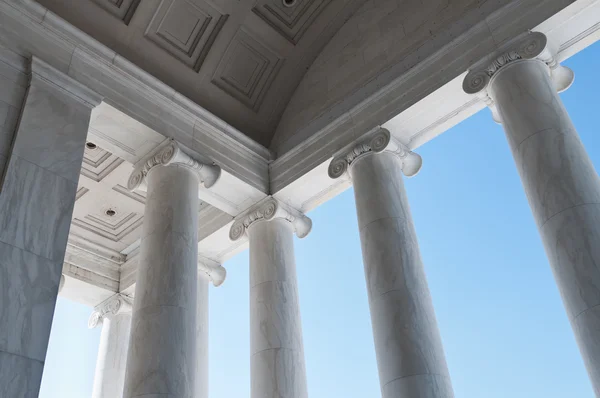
(44, 73)
(98, 163)
(80, 192)
(122, 9)
(186, 30)
(30, 28)
(100, 225)
(291, 21)
(267, 210)
(534, 46)
(137, 196)
(169, 155)
(380, 141)
(263, 63)
(212, 270)
(117, 304)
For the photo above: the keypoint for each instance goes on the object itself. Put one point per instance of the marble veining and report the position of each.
(21, 377)
(28, 289)
(27, 224)
(276, 347)
(563, 190)
(408, 346)
(37, 196)
(165, 306)
(52, 132)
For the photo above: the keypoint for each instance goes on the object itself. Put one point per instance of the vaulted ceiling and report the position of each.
(241, 60)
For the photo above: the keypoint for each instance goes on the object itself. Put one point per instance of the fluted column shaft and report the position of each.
(563, 190)
(276, 348)
(115, 318)
(162, 353)
(410, 356)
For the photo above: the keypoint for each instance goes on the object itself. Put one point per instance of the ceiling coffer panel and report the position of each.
(186, 30)
(247, 69)
(122, 9)
(291, 18)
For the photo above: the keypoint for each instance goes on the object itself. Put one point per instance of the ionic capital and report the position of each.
(380, 141)
(534, 46)
(172, 154)
(212, 271)
(115, 305)
(267, 210)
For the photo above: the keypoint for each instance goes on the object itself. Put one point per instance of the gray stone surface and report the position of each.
(36, 203)
(410, 356)
(276, 348)
(563, 190)
(162, 349)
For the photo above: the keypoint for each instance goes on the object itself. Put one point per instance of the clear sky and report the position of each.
(502, 322)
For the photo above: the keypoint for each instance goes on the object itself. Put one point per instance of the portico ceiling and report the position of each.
(241, 60)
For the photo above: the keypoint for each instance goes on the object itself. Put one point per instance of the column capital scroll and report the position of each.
(533, 46)
(117, 304)
(267, 210)
(212, 271)
(380, 141)
(172, 154)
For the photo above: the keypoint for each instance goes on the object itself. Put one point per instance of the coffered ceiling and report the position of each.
(241, 60)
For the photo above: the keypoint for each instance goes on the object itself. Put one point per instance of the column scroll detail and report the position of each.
(534, 46)
(267, 210)
(380, 141)
(115, 305)
(172, 154)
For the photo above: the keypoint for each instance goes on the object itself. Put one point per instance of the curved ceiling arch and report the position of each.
(242, 61)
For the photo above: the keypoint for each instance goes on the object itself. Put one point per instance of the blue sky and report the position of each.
(502, 322)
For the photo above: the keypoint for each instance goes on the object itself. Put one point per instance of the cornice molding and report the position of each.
(172, 154)
(267, 210)
(380, 141)
(533, 46)
(29, 28)
(44, 73)
(115, 305)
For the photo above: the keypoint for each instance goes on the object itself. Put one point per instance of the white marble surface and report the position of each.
(563, 190)
(409, 351)
(276, 348)
(36, 203)
(162, 351)
(58, 153)
(202, 335)
(115, 318)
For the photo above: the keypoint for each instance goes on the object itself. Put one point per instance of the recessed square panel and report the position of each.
(292, 20)
(98, 163)
(122, 9)
(186, 30)
(247, 70)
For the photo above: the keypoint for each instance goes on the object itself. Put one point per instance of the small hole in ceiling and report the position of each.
(289, 3)
(90, 145)
(110, 212)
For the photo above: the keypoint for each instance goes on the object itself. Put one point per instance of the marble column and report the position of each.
(162, 349)
(560, 181)
(276, 347)
(409, 351)
(114, 315)
(40, 156)
(208, 271)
